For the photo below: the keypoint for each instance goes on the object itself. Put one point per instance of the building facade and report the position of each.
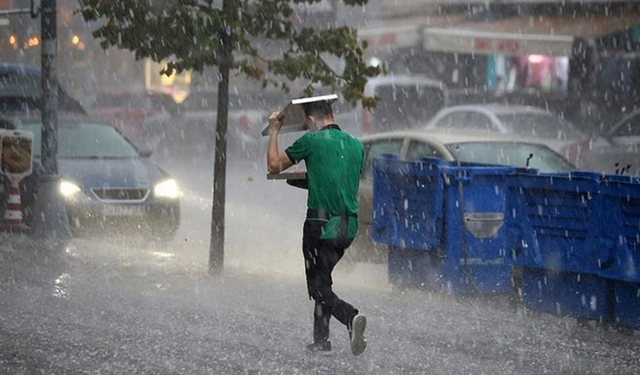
(583, 57)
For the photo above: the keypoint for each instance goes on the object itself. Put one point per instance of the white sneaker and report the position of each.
(358, 343)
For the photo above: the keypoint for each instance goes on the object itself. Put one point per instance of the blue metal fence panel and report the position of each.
(567, 294)
(476, 257)
(621, 233)
(407, 199)
(621, 229)
(627, 304)
(383, 228)
(556, 219)
(456, 212)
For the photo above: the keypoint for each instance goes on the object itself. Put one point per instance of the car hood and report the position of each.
(114, 173)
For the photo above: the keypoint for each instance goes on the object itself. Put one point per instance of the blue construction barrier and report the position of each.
(459, 228)
(621, 230)
(580, 295)
(626, 297)
(476, 245)
(407, 203)
(555, 222)
(621, 233)
(556, 218)
(467, 255)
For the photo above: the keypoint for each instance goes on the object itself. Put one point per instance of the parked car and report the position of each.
(405, 101)
(140, 115)
(347, 116)
(248, 114)
(476, 147)
(106, 181)
(626, 132)
(530, 122)
(21, 88)
(623, 157)
(20, 94)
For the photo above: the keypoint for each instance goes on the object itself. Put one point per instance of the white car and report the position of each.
(529, 122)
(623, 157)
(626, 132)
(406, 101)
(477, 147)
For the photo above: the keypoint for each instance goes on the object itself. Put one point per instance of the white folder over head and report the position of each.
(293, 117)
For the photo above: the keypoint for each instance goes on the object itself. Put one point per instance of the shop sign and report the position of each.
(16, 150)
(493, 45)
(382, 40)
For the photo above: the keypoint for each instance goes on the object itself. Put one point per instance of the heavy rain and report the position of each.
(498, 193)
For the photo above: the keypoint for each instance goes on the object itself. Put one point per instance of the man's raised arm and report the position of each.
(276, 162)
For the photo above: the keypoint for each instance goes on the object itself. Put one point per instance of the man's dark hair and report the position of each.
(320, 110)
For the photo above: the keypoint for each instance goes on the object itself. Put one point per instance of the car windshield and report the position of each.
(541, 125)
(85, 141)
(510, 153)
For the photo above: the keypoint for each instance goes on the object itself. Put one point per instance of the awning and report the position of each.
(543, 35)
(389, 35)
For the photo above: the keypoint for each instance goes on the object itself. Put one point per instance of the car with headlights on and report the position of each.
(108, 183)
(473, 147)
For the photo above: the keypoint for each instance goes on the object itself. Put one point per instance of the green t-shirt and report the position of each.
(334, 160)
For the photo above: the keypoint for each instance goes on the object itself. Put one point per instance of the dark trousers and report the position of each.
(320, 257)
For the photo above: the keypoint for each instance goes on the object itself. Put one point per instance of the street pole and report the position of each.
(50, 219)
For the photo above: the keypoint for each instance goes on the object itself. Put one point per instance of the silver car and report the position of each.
(479, 147)
(623, 157)
(626, 132)
(532, 123)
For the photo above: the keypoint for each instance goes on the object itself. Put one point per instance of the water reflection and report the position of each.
(61, 286)
(162, 255)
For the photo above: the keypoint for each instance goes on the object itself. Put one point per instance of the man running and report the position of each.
(334, 161)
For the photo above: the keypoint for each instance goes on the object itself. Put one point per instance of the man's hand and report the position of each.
(275, 121)
(276, 162)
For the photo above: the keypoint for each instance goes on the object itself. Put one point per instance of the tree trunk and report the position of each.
(216, 247)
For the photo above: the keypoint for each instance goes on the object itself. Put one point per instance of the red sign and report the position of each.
(5, 4)
(387, 39)
(510, 46)
(482, 44)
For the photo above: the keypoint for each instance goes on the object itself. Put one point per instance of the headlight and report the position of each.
(68, 189)
(167, 189)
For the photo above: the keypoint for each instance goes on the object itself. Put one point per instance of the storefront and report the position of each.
(533, 51)
(595, 55)
(388, 38)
